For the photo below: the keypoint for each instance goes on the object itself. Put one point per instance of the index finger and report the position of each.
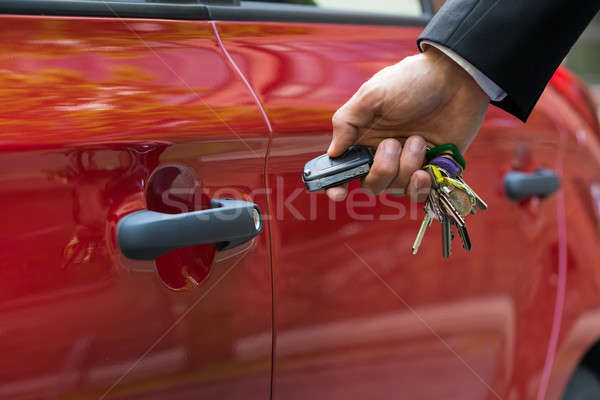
(358, 112)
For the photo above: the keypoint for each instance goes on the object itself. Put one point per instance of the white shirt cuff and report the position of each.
(494, 92)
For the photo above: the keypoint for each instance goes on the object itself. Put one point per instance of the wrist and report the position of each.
(453, 75)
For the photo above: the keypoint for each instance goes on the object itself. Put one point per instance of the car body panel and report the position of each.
(355, 313)
(91, 107)
(577, 267)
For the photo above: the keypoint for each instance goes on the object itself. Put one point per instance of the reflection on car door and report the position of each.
(90, 109)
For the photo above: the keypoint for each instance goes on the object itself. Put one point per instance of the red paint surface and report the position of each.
(90, 108)
(356, 315)
(574, 90)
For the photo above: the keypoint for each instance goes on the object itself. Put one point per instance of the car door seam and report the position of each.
(242, 77)
(267, 191)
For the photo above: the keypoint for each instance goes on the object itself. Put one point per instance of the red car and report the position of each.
(113, 110)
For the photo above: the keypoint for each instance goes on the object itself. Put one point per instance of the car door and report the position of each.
(578, 265)
(102, 116)
(355, 314)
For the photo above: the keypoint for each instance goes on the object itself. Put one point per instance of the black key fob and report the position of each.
(323, 172)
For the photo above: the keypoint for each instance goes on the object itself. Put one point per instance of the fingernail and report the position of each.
(339, 194)
(420, 190)
(417, 146)
(330, 147)
(391, 148)
(418, 185)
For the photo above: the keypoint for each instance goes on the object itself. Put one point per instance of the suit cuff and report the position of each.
(494, 92)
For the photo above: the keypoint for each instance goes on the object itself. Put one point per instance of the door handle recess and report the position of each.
(520, 185)
(146, 235)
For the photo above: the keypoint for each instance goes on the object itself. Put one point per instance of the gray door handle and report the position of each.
(520, 185)
(146, 235)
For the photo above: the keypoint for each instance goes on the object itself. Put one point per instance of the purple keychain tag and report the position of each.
(447, 165)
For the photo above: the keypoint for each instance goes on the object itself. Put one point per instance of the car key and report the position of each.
(427, 220)
(464, 237)
(447, 237)
(449, 201)
(480, 203)
(449, 208)
(324, 172)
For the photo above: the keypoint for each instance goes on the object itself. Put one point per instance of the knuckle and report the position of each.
(337, 114)
(364, 88)
(374, 95)
(336, 120)
(368, 186)
(383, 72)
(369, 92)
(383, 170)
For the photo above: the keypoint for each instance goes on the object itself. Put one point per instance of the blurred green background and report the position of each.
(584, 58)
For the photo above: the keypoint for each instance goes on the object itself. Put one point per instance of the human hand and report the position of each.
(426, 99)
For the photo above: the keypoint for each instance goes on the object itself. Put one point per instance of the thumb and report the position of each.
(357, 113)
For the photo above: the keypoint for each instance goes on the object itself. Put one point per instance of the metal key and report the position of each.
(480, 203)
(455, 219)
(449, 209)
(447, 237)
(464, 236)
(435, 206)
(432, 212)
(427, 220)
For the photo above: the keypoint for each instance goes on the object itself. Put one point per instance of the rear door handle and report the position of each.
(146, 235)
(520, 185)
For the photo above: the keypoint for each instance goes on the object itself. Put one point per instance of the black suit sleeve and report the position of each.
(518, 44)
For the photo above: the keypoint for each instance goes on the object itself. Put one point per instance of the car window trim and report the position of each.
(282, 12)
(220, 10)
(114, 9)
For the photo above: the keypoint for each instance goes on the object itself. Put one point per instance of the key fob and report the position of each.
(324, 172)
